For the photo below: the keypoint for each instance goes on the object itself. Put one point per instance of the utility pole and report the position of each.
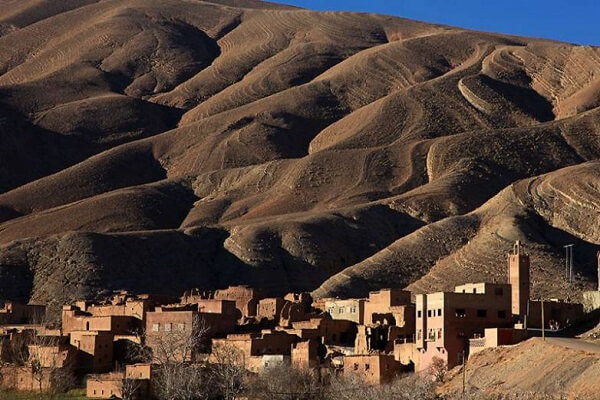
(464, 374)
(543, 324)
(569, 262)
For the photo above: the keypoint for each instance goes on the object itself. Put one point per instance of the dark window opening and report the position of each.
(481, 313)
(461, 312)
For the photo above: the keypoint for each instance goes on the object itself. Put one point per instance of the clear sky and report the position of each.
(575, 21)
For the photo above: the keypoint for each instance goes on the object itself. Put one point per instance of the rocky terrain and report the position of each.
(551, 368)
(167, 144)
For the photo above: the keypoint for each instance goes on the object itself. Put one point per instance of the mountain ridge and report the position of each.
(287, 149)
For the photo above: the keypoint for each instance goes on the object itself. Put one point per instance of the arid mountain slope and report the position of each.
(553, 367)
(164, 144)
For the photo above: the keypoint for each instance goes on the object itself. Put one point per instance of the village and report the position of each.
(391, 332)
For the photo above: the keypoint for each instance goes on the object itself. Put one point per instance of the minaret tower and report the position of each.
(518, 277)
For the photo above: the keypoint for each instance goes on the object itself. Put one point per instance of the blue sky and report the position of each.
(575, 21)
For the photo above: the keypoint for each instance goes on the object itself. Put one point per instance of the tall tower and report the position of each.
(518, 277)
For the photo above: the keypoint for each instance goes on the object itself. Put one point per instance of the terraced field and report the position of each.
(159, 145)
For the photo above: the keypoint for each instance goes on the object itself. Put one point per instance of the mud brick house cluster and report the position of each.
(377, 337)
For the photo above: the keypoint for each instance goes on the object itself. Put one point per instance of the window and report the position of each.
(181, 327)
(431, 334)
(419, 314)
(341, 310)
(474, 290)
(481, 313)
(419, 334)
(439, 313)
(168, 327)
(352, 309)
(439, 335)
(367, 366)
(155, 327)
(355, 366)
(498, 291)
(501, 314)
(429, 313)
(461, 313)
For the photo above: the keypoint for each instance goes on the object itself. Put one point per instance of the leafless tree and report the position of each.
(130, 388)
(409, 387)
(438, 369)
(227, 371)
(284, 382)
(173, 353)
(51, 363)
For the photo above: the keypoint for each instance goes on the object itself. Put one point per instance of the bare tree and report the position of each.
(409, 387)
(285, 382)
(50, 363)
(130, 388)
(438, 369)
(173, 353)
(227, 371)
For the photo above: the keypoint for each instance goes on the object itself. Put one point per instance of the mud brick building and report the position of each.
(306, 354)
(382, 305)
(246, 299)
(15, 314)
(135, 380)
(270, 308)
(95, 350)
(446, 320)
(256, 350)
(373, 368)
(346, 309)
(74, 319)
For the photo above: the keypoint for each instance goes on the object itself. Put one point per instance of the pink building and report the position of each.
(447, 320)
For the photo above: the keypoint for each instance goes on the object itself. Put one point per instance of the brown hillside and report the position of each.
(552, 367)
(159, 145)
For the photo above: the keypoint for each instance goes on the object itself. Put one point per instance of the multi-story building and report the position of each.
(382, 305)
(346, 309)
(446, 320)
(95, 350)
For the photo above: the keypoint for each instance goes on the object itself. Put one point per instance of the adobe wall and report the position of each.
(104, 387)
(270, 308)
(374, 369)
(246, 299)
(561, 313)
(305, 354)
(138, 371)
(347, 309)
(95, 350)
(15, 313)
(380, 302)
